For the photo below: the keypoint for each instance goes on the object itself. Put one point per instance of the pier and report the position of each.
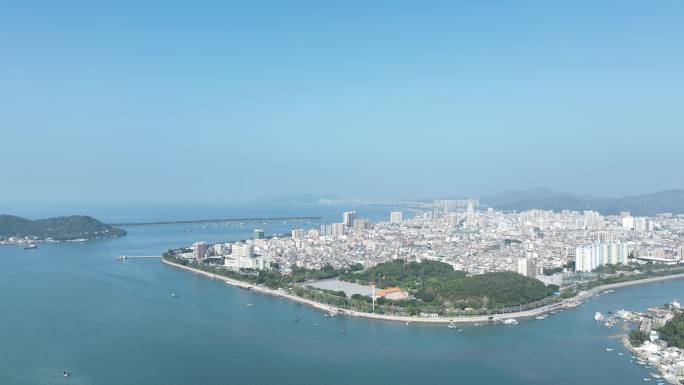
(125, 257)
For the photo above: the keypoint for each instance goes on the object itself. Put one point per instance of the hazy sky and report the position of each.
(203, 101)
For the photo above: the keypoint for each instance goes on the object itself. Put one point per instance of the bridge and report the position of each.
(217, 220)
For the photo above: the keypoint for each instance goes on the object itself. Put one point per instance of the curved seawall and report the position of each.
(571, 302)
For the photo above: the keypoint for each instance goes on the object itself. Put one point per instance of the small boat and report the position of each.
(621, 354)
(609, 349)
(510, 321)
(250, 305)
(174, 295)
(316, 324)
(66, 374)
(343, 331)
(407, 322)
(295, 319)
(451, 325)
(460, 330)
(30, 246)
(540, 317)
(598, 316)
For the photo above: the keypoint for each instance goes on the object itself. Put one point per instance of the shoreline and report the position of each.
(53, 241)
(565, 304)
(27, 241)
(644, 357)
(217, 220)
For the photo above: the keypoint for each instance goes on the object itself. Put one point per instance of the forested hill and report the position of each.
(59, 228)
(673, 331)
(438, 282)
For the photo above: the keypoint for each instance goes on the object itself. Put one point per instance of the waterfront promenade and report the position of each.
(568, 303)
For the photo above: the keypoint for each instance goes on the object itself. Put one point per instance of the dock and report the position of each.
(125, 257)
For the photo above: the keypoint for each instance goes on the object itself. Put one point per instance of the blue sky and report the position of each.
(229, 101)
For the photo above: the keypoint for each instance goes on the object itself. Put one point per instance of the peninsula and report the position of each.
(332, 303)
(451, 263)
(15, 229)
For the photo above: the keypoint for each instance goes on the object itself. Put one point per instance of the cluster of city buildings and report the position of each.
(476, 241)
(235, 256)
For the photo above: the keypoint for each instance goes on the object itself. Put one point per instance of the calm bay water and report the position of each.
(74, 306)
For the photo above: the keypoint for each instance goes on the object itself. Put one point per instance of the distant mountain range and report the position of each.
(58, 228)
(669, 201)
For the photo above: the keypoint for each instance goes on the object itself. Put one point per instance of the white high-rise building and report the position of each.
(471, 218)
(338, 229)
(362, 224)
(243, 257)
(589, 257)
(522, 266)
(348, 218)
(643, 224)
(593, 220)
(242, 250)
(396, 217)
(326, 230)
(298, 233)
(527, 267)
(452, 219)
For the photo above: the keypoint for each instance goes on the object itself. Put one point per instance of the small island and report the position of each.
(17, 230)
